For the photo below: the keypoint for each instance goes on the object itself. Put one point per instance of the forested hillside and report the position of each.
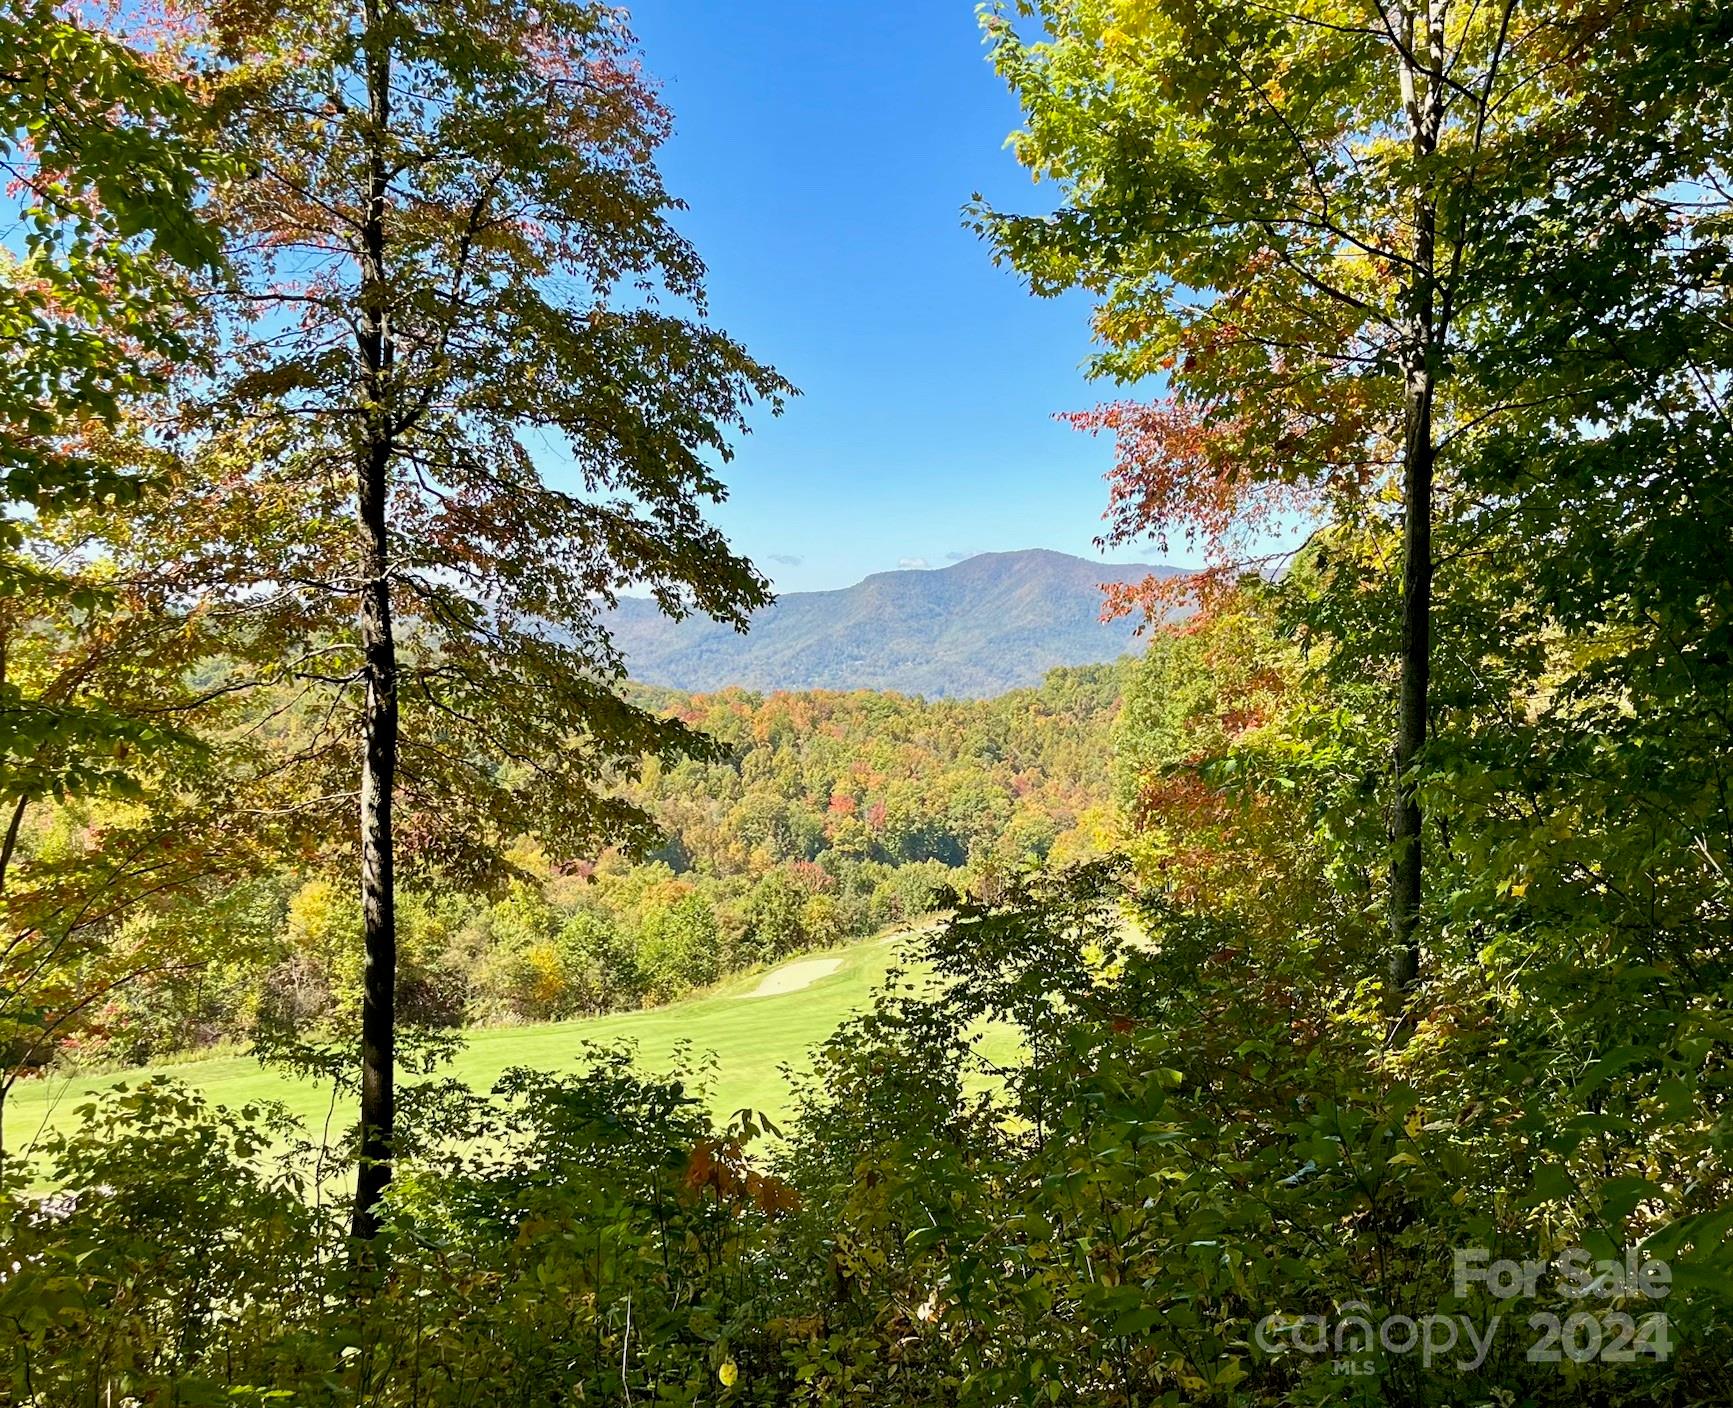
(993, 622)
(823, 817)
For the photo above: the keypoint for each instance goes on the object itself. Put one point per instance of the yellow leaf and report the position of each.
(728, 1373)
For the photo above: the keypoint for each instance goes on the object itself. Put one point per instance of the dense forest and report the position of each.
(1331, 1004)
(824, 817)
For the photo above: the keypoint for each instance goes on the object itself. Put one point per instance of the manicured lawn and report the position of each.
(751, 1038)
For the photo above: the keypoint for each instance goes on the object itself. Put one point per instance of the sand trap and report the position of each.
(794, 976)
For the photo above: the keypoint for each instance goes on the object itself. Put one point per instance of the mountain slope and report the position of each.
(988, 624)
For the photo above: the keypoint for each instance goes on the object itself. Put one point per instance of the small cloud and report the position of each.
(786, 559)
(909, 564)
(960, 556)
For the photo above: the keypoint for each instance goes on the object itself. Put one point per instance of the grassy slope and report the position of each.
(751, 1037)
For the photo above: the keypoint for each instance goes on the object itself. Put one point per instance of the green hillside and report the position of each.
(751, 1037)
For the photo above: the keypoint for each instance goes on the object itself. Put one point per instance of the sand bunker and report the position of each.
(794, 976)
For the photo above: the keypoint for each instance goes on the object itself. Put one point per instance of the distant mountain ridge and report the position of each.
(990, 623)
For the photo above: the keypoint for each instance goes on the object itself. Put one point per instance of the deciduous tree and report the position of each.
(106, 155)
(475, 396)
(1302, 217)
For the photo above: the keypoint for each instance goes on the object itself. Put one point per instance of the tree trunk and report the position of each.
(1407, 858)
(378, 891)
(379, 671)
(1420, 369)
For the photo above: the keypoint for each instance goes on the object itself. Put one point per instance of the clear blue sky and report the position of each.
(826, 153)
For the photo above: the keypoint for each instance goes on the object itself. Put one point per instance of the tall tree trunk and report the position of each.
(1425, 110)
(379, 670)
(378, 888)
(1408, 856)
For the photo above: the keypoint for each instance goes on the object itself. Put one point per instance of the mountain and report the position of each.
(988, 624)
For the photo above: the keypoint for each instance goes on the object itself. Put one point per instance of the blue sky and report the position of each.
(826, 153)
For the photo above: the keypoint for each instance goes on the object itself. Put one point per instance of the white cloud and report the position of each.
(911, 563)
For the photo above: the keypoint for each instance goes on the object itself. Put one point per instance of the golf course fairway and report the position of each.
(752, 1025)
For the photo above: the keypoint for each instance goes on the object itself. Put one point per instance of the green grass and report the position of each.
(750, 1037)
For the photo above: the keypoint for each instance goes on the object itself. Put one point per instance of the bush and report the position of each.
(579, 1239)
(679, 949)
